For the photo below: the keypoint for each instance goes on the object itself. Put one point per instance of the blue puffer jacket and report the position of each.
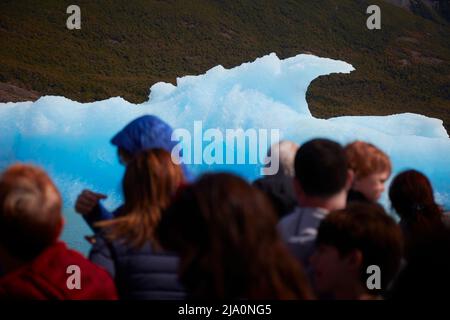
(139, 274)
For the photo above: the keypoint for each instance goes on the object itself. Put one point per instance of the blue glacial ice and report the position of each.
(71, 139)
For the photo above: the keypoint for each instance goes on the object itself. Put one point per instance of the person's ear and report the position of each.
(60, 227)
(350, 179)
(298, 190)
(124, 156)
(354, 260)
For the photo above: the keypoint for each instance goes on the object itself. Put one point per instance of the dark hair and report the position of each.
(151, 179)
(30, 211)
(321, 167)
(412, 197)
(365, 227)
(225, 233)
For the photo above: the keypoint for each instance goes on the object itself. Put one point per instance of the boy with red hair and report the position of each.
(371, 168)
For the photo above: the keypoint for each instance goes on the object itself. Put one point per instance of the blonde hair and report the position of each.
(284, 152)
(30, 211)
(365, 159)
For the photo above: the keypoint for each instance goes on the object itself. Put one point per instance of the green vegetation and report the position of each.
(126, 46)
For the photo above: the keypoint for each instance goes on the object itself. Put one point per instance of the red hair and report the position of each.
(365, 159)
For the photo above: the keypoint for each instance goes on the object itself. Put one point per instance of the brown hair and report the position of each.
(30, 211)
(365, 227)
(365, 159)
(225, 232)
(412, 197)
(150, 180)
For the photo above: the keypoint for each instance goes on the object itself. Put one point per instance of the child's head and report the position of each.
(351, 240)
(30, 211)
(371, 168)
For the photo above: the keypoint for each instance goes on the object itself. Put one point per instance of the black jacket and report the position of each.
(356, 196)
(280, 189)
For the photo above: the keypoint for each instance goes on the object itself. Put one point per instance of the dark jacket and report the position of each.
(356, 196)
(46, 278)
(280, 190)
(143, 274)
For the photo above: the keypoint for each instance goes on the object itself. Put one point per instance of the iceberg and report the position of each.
(71, 139)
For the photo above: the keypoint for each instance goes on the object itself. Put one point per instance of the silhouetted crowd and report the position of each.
(314, 230)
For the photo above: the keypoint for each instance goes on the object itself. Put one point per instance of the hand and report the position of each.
(87, 200)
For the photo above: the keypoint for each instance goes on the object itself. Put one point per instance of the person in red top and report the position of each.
(35, 263)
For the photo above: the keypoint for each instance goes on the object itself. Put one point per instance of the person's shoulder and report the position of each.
(287, 219)
(356, 196)
(263, 182)
(446, 219)
(272, 179)
(286, 225)
(317, 213)
(307, 211)
(67, 255)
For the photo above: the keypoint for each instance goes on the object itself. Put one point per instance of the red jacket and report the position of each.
(46, 277)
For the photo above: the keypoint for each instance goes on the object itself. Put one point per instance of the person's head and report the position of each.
(30, 211)
(348, 242)
(371, 168)
(283, 152)
(225, 233)
(151, 179)
(412, 197)
(427, 238)
(144, 133)
(321, 173)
